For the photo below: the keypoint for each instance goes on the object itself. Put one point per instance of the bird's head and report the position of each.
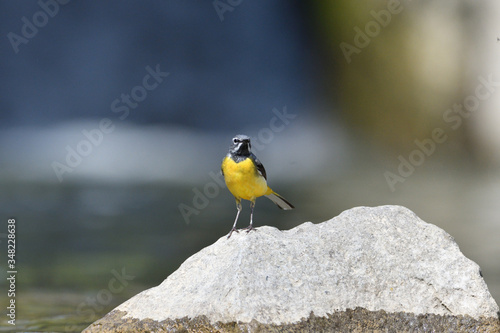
(240, 145)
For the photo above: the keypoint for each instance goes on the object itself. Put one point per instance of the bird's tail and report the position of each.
(279, 200)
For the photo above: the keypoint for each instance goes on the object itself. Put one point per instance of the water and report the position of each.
(84, 248)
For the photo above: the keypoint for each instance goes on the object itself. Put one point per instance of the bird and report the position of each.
(246, 178)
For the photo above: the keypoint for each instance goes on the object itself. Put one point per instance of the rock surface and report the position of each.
(368, 268)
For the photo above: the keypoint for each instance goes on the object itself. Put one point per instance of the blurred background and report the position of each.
(115, 116)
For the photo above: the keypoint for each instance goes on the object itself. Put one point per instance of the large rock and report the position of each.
(367, 269)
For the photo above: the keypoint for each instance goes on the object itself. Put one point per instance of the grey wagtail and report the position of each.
(246, 178)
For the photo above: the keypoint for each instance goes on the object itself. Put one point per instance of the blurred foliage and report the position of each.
(396, 88)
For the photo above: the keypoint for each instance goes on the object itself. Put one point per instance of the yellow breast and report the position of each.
(242, 179)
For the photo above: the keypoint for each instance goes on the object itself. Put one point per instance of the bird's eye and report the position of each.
(235, 140)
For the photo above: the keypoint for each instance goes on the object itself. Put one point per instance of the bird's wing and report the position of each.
(221, 170)
(260, 167)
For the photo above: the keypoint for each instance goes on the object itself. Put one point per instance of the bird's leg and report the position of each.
(250, 227)
(238, 206)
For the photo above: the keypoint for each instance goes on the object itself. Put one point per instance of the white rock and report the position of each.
(382, 258)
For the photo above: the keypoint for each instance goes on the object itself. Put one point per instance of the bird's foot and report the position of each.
(231, 232)
(249, 228)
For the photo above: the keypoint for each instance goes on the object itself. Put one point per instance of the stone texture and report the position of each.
(368, 268)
